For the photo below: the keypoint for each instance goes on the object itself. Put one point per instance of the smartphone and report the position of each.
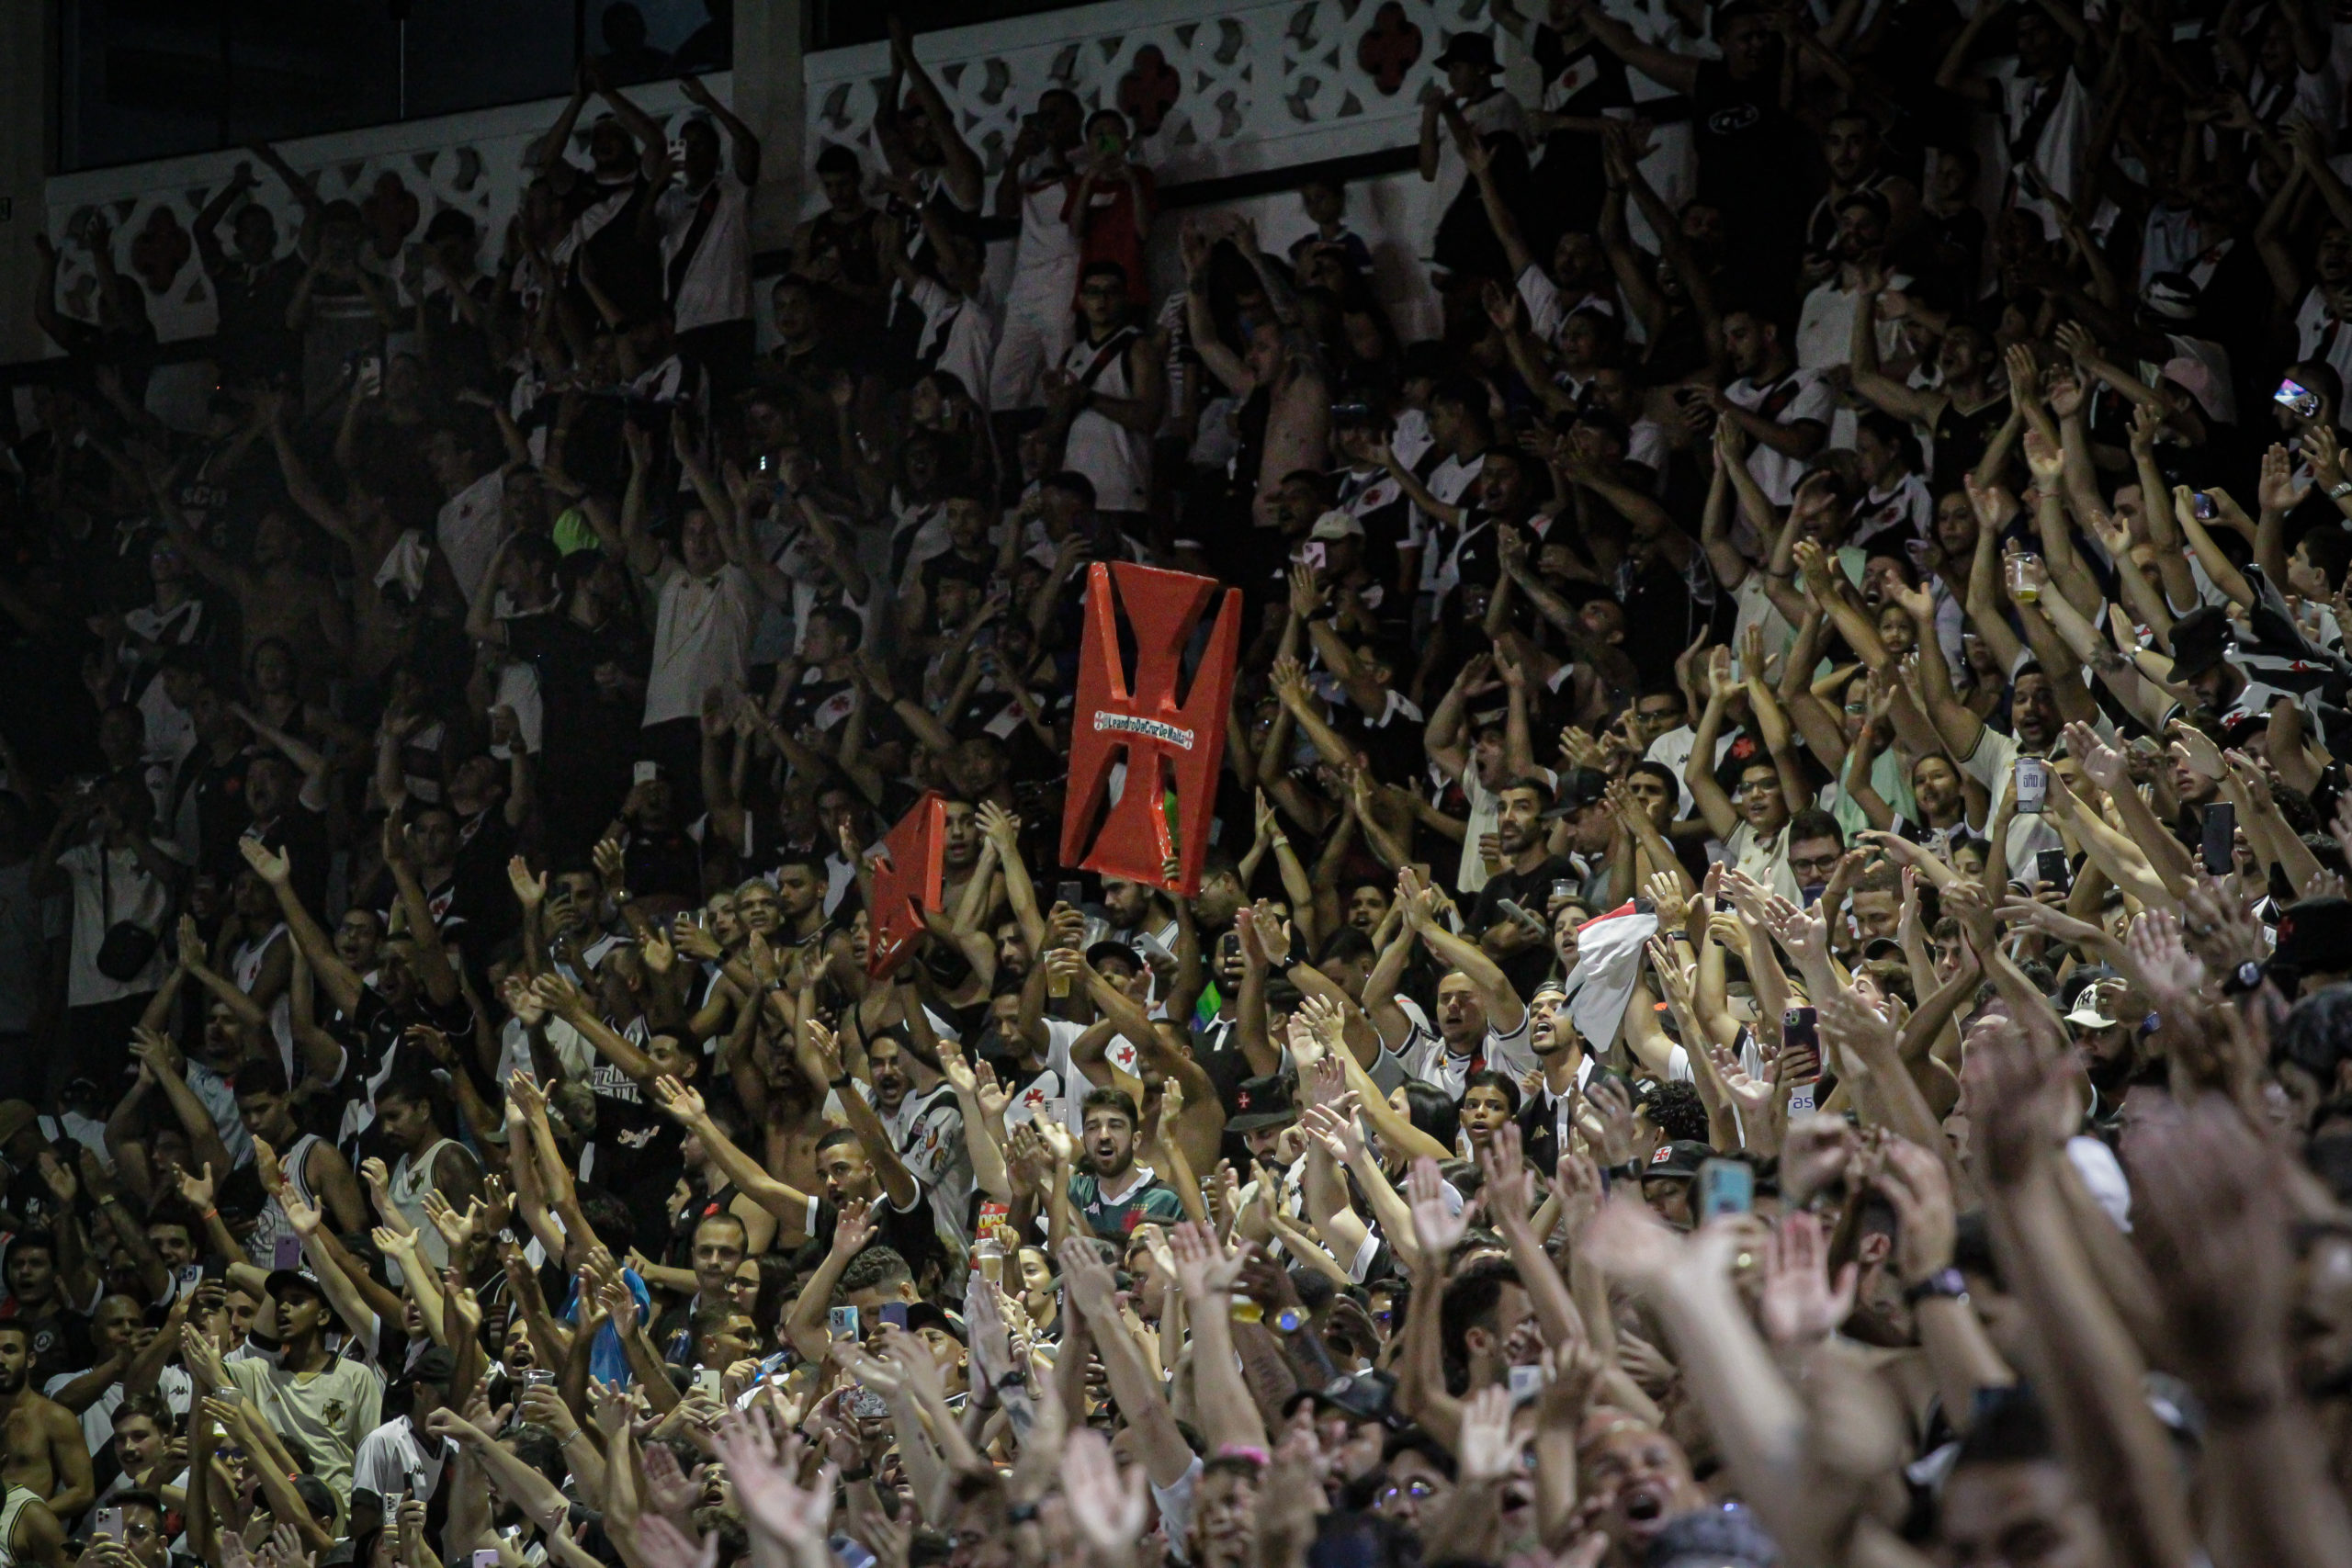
(286, 1252)
(1725, 1187)
(841, 1322)
(1071, 893)
(367, 379)
(644, 772)
(1512, 910)
(486, 1558)
(2050, 865)
(2032, 785)
(1800, 1028)
(2202, 505)
(108, 1525)
(894, 1314)
(868, 1405)
(2221, 838)
(706, 1379)
(2297, 400)
(1314, 553)
(1526, 1382)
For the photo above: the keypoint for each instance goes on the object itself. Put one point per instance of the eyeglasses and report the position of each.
(1415, 1490)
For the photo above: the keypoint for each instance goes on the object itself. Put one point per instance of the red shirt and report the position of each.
(1112, 234)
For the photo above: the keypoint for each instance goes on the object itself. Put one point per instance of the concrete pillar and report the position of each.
(771, 93)
(28, 140)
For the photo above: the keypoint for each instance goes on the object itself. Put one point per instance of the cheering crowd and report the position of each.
(1771, 982)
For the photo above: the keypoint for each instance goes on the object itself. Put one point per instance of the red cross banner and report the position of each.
(916, 868)
(1166, 743)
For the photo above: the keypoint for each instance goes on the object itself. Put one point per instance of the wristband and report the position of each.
(2339, 489)
(841, 1082)
(1947, 1283)
(1021, 1513)
(1242, 1450)
(863, 1473)
(210, 1214)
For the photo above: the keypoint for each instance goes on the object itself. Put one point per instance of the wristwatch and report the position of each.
(2339, 489)
(1946, 1282)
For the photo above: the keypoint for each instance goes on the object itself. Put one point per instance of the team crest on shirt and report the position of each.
(334, 1412)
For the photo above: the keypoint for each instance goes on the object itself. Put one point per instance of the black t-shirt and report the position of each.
(374, 1052)
(909, 1232)
(1532, 891)
(1747, 147)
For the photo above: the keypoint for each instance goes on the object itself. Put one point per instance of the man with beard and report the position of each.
(1525, 877)
(925, 1126)
(1826, 327)
(2106, 1042)
(1481, 1022)
(41, 1445)
(1111, 1194)
(1547, 1115)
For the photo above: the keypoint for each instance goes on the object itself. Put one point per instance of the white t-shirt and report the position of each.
(392, 1458)
(1994, 764)
(469, 528)
(1426, 1058)
(97, 1421)
(1045, 264)
(1800, 395)
(717, 285)
(120, 890)
(702, 636)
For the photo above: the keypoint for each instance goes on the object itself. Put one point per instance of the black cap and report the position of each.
(1469, 49)
(437, 1365)
(1262, 1103)
(281, 1280)
(2316, 935)
(1364, 1397)
(1579, 787)
(2197, 640)
(1882, 947)
(1678, 1158)
(930, 1314)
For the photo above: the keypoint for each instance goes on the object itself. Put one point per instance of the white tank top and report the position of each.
(1117, 459)
(10, 1511)
(247, 971)
(261, 1247)
(409, 1185)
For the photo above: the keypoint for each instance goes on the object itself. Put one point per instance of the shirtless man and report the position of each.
(40, 1442)
(1281, 361)
(276, 596)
